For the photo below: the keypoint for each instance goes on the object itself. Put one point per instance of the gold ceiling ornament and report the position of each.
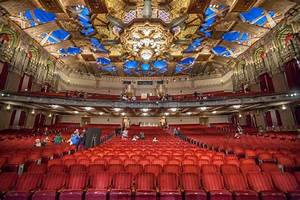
(146, 40)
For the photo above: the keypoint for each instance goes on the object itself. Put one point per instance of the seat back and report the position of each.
(190, 181)
(285, 182)
(37, 169)
(122, 181)
(213, 182)
(269, 167)
(190, 169)
(167, 182)
(54, 181)
(96, 168)
(172, 168)
(115, 168)
(100, 181)
(7, 181)
(229, 169)
(249, 168)
(154, 169)
(77, 168)
(28, 181)
(77, 181)
(210, 169)
(235, 182)
(145, 182)
(260, 182)
(56, 168)
(134, 169)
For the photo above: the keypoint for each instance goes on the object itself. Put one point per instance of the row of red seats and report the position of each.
(155, 168)
(142, 186)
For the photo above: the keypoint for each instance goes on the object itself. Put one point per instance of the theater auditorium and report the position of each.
(149, 100)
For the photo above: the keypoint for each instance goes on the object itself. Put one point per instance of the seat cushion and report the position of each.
(145, 195)
(71, 194)
(17, 195)
(195, 195)
(271, 195)
(120, 195)
(44, 195)
(220, 195)
(170, 195)
(246, 195)
(93, 194)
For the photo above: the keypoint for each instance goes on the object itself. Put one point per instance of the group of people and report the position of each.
(58, 139)
(128, 98)
(140, 136)
(78, 139)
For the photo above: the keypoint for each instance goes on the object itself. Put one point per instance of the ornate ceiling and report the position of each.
(147, 37)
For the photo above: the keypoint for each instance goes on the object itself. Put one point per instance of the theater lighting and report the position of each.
(117, 109)
(145, 114)
(8, 107)
(88, 108)
(123, 114)
(214, 112)
(145, 109)
(203, 108)
(283, 107)
(167, 114)
(173, 109)
(101, 113)
(33, 111)
(188, 113)
(50, 115)
(76, 112)
(240, 115)
(55, 106)
(236, 106)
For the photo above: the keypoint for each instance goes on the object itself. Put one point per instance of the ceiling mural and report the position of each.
(146, 37)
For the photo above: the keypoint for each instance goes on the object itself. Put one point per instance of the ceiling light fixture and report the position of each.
(173, 109)
(167, 114)
(283, 107)
(101, 113)
(203, 108)
(188, 113)
(214, 112)
(117, 109)
(55, 106)
(8, 107)
(76, 112)
(145, 109)
(33, 111)
(123, 114)
(88, 108)
(236, 106)
(144, 114)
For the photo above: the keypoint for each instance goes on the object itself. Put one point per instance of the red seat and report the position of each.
(26, 183)
(190, 169)
(99, 185)
(168, 186)
(249, 168)
(210, 169)
(50, 184)
(172, 168)
(229, 169)
(262, 182)
(287, 183)
(145, 186)
(7, 181)
(96, 168)
(38, 169)
(56, 169)
(269, 167)
(134, 169)
(115, 168)
(265, 157)
(154, 169)
(74, 187)
(297, 175)
(247, 161)
(121, 186)
(238, 185)
(77, 168)
(192, 188)
(214, 184)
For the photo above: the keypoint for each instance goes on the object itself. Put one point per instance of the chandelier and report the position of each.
(146, 40)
